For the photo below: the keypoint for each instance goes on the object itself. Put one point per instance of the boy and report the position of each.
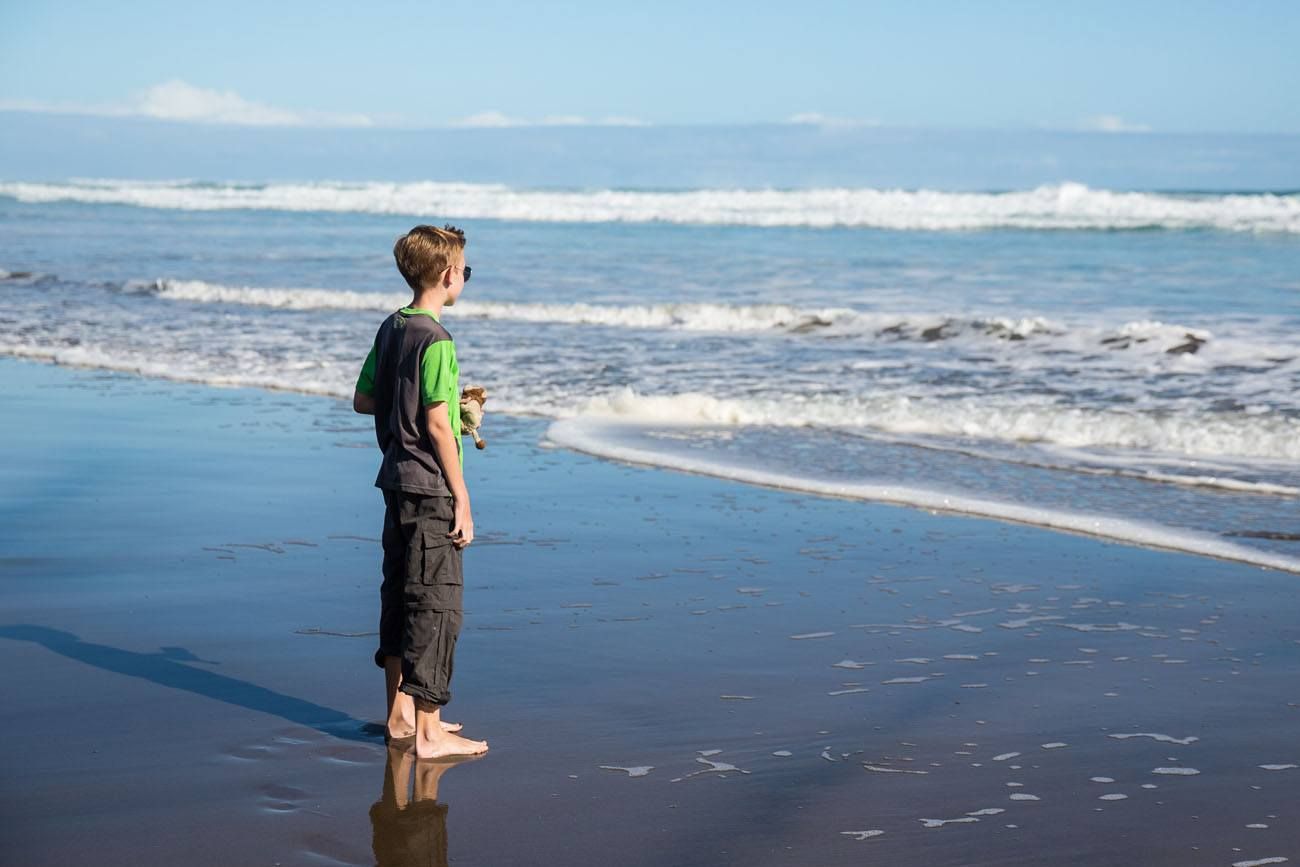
(409, 384)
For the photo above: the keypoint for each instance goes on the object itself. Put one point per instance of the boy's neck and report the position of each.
(431, 301)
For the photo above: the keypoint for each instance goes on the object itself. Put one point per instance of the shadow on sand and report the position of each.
(168, 668)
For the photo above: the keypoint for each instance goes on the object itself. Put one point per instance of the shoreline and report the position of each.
(1105, 528)
(566, 433)
(793, 671)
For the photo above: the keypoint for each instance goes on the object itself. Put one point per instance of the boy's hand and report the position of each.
(462, 526)
(446, 446)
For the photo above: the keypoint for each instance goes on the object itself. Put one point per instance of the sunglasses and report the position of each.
(467, 271)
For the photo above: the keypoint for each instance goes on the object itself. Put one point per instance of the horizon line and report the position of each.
(824, 125)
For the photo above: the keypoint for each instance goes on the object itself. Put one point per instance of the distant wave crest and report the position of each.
(202, 292)
(830, 322)
(1066, 206)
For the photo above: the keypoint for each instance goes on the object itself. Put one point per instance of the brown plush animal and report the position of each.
(472, 399)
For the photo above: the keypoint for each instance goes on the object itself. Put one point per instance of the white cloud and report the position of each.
(1112, 123)
(489, 119)
(180, 101)
(499, 120)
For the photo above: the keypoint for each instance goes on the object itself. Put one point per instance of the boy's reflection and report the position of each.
(410, 829)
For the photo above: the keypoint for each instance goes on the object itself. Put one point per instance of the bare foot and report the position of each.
(447, 744)
(403, 730)
(401, 722)
(401, 718)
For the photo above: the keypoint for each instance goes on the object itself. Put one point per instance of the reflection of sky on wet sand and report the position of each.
(1101, 668)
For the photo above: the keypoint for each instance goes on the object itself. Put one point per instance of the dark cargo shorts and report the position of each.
(420, 599)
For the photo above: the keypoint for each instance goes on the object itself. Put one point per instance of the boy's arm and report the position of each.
(444, 442)
(363, 398)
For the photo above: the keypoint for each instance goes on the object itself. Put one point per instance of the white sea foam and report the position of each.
(270, 377)
(1062, 206)
(1179, 432)
(837, 322)
(1082, 435)
(939, 823)
(1185, 432)
(1268, 436)
(246, 347)
(606, 438)
(202, 292)
(1164, 739)
(636, 771)
(721, 318)
(691, 317)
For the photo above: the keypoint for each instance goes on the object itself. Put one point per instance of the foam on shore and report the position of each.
(1184, 433)
(602, 438)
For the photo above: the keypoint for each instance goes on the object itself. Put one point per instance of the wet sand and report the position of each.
(671, 670)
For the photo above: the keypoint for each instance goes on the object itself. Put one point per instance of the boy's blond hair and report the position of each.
(425, 252)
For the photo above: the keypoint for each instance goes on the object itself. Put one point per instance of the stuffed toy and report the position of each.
(471, 412)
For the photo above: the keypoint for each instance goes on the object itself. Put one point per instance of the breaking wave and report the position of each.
(832, 322)
(618, 441)
(1065, 206)
(1188, 433)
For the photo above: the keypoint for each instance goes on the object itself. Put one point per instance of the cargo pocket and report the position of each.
(440, 576)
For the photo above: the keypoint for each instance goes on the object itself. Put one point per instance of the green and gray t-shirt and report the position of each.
(411, 365)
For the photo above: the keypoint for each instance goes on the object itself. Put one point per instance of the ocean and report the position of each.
(1121, 361)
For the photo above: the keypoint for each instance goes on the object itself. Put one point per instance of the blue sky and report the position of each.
(1188, 66)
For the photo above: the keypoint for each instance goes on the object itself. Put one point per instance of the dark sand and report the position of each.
(188, 576)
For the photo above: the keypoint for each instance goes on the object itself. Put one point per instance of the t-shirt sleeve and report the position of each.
(438, 374)
(366, 381)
